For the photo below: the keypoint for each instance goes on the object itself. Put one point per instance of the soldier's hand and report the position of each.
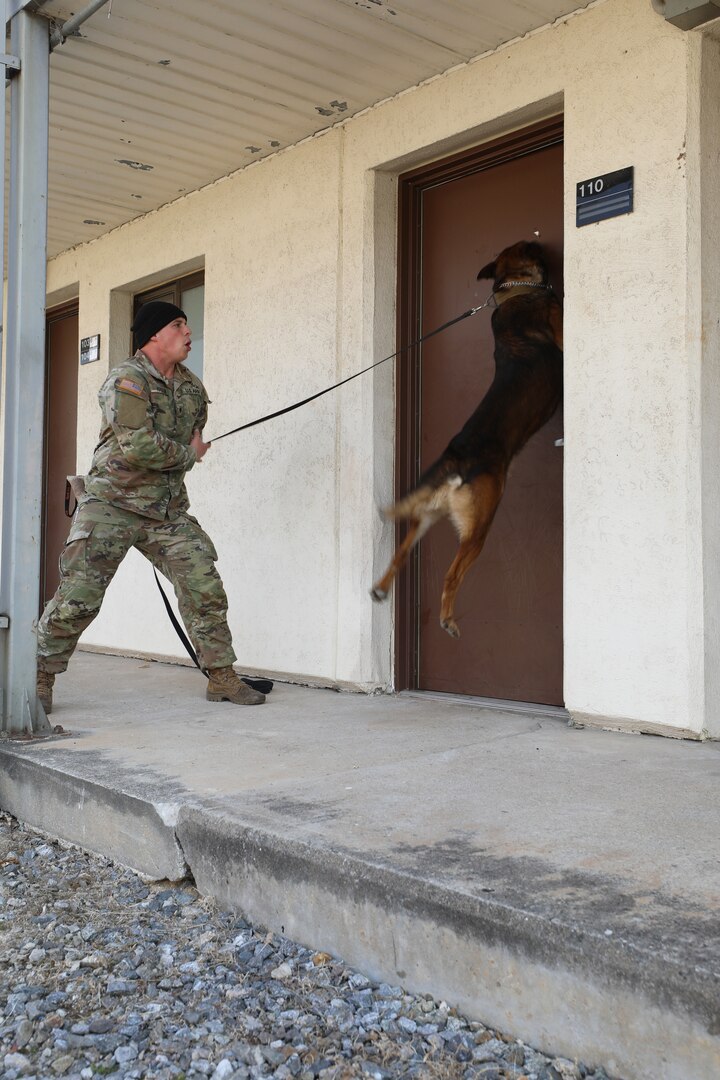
(201, 448)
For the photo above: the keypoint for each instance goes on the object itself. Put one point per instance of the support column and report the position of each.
(25, 375)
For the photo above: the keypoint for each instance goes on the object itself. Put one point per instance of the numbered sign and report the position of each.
(604, 196)
(89, 349)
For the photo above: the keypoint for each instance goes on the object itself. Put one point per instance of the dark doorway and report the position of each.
(456, 217)
(61, 390)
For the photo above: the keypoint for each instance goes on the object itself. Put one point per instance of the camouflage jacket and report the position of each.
(144, 450)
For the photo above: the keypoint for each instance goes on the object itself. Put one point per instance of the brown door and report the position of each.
(509, 607)
(61, 374)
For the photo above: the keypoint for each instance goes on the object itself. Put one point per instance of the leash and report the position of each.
(305, 401)
(74, 489)
(263, 685)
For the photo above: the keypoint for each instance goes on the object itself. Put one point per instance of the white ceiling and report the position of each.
(160, 97)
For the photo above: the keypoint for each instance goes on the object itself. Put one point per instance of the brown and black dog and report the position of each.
(467, 481)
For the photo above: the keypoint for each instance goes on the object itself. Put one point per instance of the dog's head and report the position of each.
(524, 261)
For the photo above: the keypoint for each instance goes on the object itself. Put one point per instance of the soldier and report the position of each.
(154, 410)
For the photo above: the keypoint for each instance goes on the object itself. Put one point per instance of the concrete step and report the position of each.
(558, 884)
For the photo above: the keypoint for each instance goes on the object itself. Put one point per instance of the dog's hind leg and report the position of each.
(472, 511)
(417, 527)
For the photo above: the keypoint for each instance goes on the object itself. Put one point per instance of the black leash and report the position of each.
(307, 400)
(263, 685)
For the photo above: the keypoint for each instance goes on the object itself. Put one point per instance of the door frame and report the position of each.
(411, 187)
(67, 310)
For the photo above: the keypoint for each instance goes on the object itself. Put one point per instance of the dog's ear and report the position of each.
(487, 271)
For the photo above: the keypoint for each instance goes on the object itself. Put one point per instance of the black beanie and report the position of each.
(152, 317)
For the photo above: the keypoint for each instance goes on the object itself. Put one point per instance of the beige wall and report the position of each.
(300, 260)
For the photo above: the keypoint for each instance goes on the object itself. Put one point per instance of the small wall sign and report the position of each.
(604, 196)
(89, 349)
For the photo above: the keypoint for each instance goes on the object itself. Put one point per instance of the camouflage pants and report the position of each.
(100, 537)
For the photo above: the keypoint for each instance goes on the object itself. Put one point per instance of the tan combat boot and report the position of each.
(225, 685)
(45, 683)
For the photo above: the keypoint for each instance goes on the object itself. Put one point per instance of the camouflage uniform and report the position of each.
(136, 497)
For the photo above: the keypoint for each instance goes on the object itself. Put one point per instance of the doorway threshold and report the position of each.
(496, 704)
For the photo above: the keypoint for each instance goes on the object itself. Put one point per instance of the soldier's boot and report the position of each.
(45, 683)
(225, 685)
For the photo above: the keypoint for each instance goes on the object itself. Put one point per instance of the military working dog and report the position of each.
(467, 481)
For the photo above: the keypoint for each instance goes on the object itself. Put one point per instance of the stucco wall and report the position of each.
(267, 498)
(299, 255)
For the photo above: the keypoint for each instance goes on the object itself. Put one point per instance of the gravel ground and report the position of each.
(103, 973)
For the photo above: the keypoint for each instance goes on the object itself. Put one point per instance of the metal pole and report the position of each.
(25, 374)
(4, 620)
(58, 36)
(3, 75)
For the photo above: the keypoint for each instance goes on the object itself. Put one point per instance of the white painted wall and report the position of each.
(300, 263)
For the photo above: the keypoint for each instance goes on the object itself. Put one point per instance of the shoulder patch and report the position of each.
(129, 387)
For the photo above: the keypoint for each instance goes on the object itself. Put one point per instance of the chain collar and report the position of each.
(530, 285)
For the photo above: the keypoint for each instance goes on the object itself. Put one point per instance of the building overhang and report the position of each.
(149, 102)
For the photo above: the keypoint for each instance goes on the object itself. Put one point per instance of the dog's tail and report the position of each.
(425, 499)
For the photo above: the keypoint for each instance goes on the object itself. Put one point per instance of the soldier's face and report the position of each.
(174, 339)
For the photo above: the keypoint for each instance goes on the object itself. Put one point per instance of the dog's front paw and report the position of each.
(378, 594)
(451, 627)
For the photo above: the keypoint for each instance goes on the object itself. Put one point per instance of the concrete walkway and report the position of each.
(561, 883)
